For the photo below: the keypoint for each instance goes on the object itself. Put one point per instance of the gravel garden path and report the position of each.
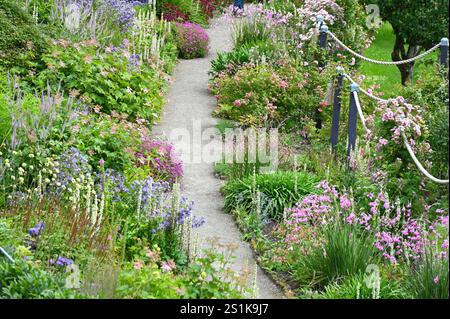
(190, 102)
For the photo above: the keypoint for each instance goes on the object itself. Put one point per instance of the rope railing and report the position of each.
(405, 139)
(3, 251)
(355, 105)
(420, 56)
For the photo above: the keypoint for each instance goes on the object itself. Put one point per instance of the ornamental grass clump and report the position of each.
(192, 40)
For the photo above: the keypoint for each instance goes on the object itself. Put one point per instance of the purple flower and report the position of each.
(61, 261)
(35, 231)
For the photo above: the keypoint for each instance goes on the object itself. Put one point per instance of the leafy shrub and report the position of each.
(207, 277)
(192, 40)
(277, 191)
(110, 139)
(431, 93)
(261, 94)
(110, 78)
(21, 280)
(20, 36)
(229, 60)
(228, 63)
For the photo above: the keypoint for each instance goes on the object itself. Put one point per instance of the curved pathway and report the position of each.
(189, 106)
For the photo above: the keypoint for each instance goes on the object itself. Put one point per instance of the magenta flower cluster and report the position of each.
(193, 40)
(159, 156)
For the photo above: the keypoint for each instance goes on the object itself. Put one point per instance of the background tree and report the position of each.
(418, 25)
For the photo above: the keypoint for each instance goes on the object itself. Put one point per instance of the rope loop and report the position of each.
(335, 38)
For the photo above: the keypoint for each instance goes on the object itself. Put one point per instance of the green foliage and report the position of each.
(421, 23)
(207, 277)
(277, 191)
(108, 139)
(430, 279)
(20, 37)
(355, 287)
(210, 277)
(108, 79)
(345, 252)
(228, 60)
(264, 94)
(431, 93)
(21, 280)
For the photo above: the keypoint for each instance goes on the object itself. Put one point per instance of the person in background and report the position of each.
(238, 5)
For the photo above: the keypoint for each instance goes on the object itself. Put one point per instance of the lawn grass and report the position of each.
(388, 76)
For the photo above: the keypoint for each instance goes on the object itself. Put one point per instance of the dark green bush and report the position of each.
(19, 35)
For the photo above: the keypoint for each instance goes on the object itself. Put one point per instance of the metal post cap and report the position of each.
(444, 42)
(354, 87)
(340, 70)
(324, 29)
(320, 18)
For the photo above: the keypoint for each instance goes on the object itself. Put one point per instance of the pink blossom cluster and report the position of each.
(298, 27)
(398, 236)
(406, 117)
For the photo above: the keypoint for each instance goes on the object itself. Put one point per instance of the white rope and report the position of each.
(360, 112)
(364, 91)
(405, 140)
(6, 255)
(420, 166)
(383, 62)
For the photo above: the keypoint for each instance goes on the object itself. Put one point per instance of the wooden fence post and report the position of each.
(352, 120)
(336, 109)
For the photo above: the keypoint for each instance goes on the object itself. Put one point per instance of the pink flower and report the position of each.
(436, 280)
(237, 103)
(345, 202)
(101, 162)
(283, 84)
(138, 265)
(168, 265)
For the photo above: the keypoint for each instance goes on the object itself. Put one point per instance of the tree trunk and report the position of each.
(399, 53)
